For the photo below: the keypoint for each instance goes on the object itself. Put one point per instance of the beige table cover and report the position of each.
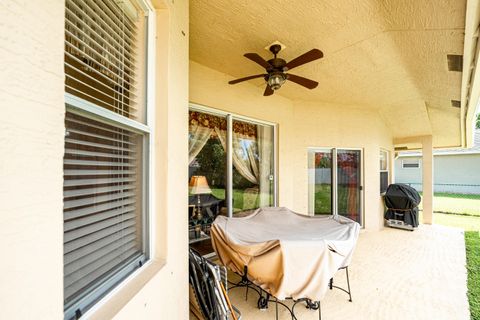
(287, 254)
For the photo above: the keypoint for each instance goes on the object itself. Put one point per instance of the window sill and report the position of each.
(114, 301)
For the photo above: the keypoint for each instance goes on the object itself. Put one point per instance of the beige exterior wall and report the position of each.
(31, 170)
(302, 125)
(31, 166)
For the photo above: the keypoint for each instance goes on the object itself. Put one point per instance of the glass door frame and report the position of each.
(333, 150)
(230, 116)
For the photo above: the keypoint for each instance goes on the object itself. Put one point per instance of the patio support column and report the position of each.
(427, 173)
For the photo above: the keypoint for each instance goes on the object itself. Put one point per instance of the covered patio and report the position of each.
(394, 274)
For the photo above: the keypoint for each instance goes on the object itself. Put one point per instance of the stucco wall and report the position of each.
(31, 170)
(31, 166)
(301, 125)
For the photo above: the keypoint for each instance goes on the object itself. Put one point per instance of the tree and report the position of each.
(478, 121)
(211, 161)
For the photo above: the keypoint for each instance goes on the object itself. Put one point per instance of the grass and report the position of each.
(323, 201)
(472, 243)
(238, 198)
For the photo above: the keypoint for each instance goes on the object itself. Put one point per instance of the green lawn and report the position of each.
(472, 243)
(465, 204)
(323, 202)
(237, 198)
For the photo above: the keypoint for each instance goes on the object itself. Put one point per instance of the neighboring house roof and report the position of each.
(473, 150)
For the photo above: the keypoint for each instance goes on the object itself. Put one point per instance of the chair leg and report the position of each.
(331, 286)
(276, 309)
(319, 311)
(348, 284)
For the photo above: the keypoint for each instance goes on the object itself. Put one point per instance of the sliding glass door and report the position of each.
(231, 169)
(335, 182)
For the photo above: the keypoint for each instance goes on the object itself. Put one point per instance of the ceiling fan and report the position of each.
(276, 69)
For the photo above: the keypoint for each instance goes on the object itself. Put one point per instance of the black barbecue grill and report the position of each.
(402, 203)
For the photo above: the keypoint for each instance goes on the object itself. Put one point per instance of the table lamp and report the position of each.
(199, 185)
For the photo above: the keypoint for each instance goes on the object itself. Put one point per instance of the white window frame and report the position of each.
(387, 170)
(79, 106)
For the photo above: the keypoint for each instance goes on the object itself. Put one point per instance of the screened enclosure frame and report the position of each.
(230, 117)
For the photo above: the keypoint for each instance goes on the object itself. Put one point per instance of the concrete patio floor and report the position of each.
(394, 274)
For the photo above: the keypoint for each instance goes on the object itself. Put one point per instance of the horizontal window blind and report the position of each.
(100, 55)
(104, 188)
(102, 203)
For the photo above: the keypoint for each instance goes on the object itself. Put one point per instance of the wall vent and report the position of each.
(455, 62)
(455, 103)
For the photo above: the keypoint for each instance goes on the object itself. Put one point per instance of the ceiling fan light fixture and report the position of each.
(276, 80)
(275, 69)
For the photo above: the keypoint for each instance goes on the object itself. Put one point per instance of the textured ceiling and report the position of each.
(388, 55)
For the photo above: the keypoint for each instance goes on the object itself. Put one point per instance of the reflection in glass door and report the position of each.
(335, 187)
(252, 166)
(349, 184)
(320, 184)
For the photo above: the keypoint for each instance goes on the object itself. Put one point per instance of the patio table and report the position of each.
(286, 254)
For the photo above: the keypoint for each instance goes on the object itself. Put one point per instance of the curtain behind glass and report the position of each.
(265, 174)
(197, 138)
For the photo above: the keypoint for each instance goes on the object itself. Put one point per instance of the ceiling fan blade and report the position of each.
(307, 57)
(246, 78)
(268, 91)
(256, 58)
(310, 84)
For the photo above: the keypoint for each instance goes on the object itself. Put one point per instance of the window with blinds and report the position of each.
(384, 169)
(103, 49)
(105, 233)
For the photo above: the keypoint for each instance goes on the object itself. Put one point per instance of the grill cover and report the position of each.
(287, 254)
(402, 203)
